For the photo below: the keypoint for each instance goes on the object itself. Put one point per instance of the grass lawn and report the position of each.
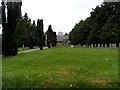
(62, 67)
(23, 49)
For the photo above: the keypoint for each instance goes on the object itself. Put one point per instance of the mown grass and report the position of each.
(23, 49)
(62, 67)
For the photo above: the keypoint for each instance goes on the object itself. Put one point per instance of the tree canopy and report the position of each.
(102, 27)
(9, 41)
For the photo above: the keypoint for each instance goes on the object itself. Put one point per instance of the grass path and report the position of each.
(26, 51)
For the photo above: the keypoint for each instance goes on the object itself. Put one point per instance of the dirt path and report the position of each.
(30, 50)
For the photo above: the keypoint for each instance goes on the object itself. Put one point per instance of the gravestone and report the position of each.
(95, 45)
(98, 45)
(72, 46)
(83, 45)
(109, 45)
(105, 45)
(102, 45)
(92, 46)
(113, 45)
(119, 45)
(23, 46)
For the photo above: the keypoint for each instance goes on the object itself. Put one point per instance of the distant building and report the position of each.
(62, 39)
(50, 37)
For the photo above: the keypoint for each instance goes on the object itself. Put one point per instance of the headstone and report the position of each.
(113, 45)
(119, 45)
(92, 46)
(105, 45)
(109, 45)
(83, 45)
(23, 46)
(72, 46)
(95, 45)
(80, 45)
(98, 45)
(102, 45)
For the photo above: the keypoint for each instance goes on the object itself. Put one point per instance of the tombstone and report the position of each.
(102, 45)
(95, 45)
(23, 46)
(113, 45)
(109, 45)
(98, 45)
(92, 46)
(83, 45)
(119, 45)
(72, 46)
(105, 45)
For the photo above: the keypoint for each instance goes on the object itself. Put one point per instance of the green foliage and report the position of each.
(40, 34)
(23, 49)
(62, 67)
(26, 32)
(9, 41)
(102, 27)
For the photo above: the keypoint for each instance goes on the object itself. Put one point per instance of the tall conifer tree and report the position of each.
(40, 33)
(9, 27)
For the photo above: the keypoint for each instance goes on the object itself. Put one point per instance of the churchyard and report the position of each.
(64, 63)
(62, 67)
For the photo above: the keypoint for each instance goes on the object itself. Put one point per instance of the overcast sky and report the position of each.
(61, 14)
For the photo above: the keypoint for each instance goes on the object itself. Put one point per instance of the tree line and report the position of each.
(18, 30)
(102, 27)
(9, 22)
(29, 33)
